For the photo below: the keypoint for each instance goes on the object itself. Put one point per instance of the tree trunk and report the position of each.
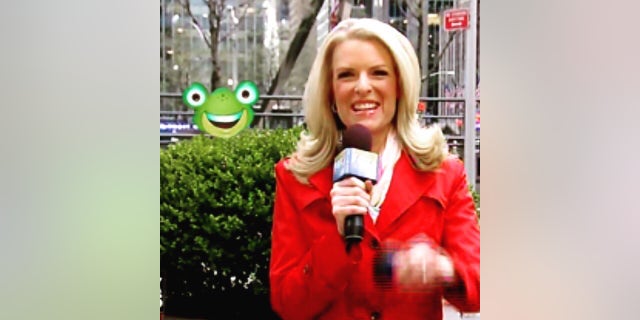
(215, 71)
(292, 53)
(216, 8)
(215, 15)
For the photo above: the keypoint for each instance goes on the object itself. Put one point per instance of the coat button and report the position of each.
(306, 269)
(375, 315)
(375, 244)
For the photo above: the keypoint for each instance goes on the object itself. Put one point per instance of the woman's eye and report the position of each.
(343, 74)
(380, 73)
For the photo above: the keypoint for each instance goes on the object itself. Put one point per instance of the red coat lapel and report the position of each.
(320, 186)
(407, 186)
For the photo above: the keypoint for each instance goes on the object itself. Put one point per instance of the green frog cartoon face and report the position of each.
(223, 113)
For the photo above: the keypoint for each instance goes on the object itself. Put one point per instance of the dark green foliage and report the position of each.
(216, 200)
(476, 200)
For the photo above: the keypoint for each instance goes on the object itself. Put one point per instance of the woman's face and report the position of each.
(364, 84)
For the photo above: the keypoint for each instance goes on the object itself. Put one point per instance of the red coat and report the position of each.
(311, 275)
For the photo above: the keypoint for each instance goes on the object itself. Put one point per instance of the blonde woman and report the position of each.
(367, 73)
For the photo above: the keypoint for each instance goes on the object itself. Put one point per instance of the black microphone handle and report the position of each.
(354, 228)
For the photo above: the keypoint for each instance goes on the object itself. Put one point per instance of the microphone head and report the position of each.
(356, 158)
(357, 136)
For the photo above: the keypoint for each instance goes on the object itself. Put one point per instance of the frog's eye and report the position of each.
(195, 95)
(247, 92)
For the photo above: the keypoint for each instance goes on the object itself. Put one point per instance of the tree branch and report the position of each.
(414, 9)
(186, 4)
(242, 9)
(440, 54)
(294, 50)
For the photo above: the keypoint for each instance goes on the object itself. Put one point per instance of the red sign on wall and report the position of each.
(456, 19)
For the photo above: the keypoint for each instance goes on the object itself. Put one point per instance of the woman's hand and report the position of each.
(422, 267)
(348, 197)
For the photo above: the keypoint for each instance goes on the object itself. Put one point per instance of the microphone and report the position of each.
(355, 160)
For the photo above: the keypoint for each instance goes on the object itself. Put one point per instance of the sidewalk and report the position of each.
(450, 313)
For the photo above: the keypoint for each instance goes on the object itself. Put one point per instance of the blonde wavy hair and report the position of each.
(319, 144)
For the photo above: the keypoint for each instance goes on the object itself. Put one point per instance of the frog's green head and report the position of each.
(223, 113)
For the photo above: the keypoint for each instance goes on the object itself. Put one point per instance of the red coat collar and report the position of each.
(407, 186)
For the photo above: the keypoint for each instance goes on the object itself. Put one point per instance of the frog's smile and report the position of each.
(225, 129)
(224, 121)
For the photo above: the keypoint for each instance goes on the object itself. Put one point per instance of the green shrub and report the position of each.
(476, 200)
(216, 200)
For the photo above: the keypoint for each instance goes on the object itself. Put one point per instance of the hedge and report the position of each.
(215, 219)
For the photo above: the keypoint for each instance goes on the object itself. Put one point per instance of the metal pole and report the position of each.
(377, 12)
(424, 48)
(470, 99)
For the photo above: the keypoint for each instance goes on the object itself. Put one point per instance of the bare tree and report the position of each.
(298, 41)
(414, 9)
(216, 9)
(211, 39)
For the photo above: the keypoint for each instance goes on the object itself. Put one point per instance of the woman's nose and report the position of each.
(363, 86)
